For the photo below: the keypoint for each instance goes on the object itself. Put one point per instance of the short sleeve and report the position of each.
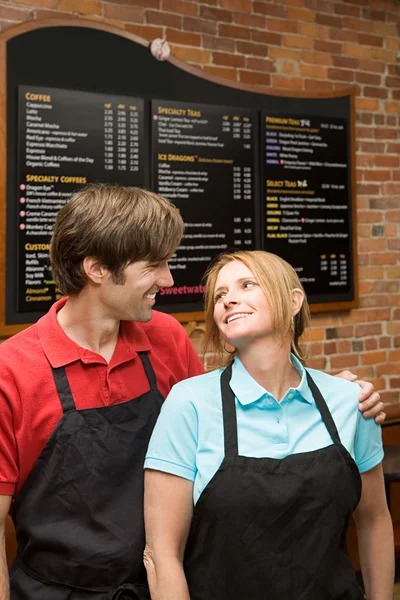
(9, 470)
(368, 450)
(173, 444)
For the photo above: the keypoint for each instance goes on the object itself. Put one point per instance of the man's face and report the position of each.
(135, 298)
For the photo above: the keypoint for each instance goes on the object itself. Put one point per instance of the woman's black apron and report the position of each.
(269, 529)
(79, 514)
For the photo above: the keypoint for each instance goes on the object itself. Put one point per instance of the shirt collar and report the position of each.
(60, 350)
(247, 390)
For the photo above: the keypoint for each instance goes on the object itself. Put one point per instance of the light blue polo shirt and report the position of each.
(188, 439)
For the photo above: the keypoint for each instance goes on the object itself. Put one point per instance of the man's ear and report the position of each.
(94, 270)
(297, 300)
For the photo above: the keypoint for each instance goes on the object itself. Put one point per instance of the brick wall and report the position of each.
(315, 45)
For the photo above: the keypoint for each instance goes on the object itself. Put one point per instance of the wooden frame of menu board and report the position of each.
(203, 86)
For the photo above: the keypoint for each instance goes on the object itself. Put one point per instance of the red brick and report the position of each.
(394, 356)
(316, 72)
(357, 24)
(228, 60)
(384, 55)
(127, 13)
(256, 21)
(340, 74)
(345, 62)
(394, 70)
(386, 133)
(329, 47)
(374, 15)
(370, 344)
(376, 175)
(316, 58)
(147, 32)
(37, 3)
(387, 286)
(266, 37)
(330, 348)
(365, 188)
(198, 25)
(83, 7)
(296, 41)
(393, 273)
(384, 342)
(370, 273)
(293, 83)
(368, 78)
(374, 357)
(165, 19)
(343, 35)
(370, 40)
(252, 49)
(393, 82)
(372, 245)
(233, 31)
(223, 72)
(363, 52)
(372, 66)
(316, 363)
(300, 14)
(395, 382)
(260, 64)
(255, 78)
(181, 7)
(282, 26)
(344, 347)
(374, 147)
(368, 329)
(7, 13)
(216, 43)
(317, 86)
(176, 36)
(314, 30)
(284, 54)
(351, 11)
(215, 14)
(328, 20)
(344, 361)
(266, 8)
(240, 5)
(144, 3)
(194, 55)
(394, 244)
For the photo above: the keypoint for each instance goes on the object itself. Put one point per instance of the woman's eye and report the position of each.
(249, 284)
(219, 296)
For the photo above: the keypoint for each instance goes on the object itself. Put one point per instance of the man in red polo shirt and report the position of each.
(80, 392)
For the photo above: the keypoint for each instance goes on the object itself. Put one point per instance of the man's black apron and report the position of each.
(79, 514)
(269, 529)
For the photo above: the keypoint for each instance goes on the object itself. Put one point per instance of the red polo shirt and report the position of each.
(29, 405)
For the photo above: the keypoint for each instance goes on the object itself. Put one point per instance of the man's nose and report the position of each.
(165, 279)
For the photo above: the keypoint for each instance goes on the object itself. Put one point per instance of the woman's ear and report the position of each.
(297, 300)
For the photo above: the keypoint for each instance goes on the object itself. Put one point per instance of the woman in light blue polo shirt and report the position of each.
(271, 454)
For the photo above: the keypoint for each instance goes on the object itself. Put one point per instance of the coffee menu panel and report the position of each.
(66, 139)
(203, 160)
(307, 201)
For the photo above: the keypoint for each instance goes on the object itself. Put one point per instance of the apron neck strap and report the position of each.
(148, 369)
(229, 414)
(323, 409)
(63, 389)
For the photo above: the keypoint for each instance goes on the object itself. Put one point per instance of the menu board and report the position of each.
(307, 201)
(203, 160)
(66, 139)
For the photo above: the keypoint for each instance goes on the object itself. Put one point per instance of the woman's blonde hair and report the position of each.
(277, 279)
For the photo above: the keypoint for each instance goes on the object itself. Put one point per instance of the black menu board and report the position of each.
(66, 139)
(307, 201)
(203, 160)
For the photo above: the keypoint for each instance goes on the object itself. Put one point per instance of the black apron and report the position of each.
(270, 529)
(79, 514)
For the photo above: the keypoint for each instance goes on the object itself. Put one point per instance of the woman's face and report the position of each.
(241, 310)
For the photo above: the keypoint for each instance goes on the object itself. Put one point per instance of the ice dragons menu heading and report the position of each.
(203, 160)
(307, 201)
(66, 139)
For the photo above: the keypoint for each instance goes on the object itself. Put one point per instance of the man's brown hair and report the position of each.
(116, 225)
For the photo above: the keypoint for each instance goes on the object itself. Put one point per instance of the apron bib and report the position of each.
(273, 529)
(79, 514)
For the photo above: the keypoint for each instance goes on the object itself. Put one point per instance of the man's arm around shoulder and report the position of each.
(5, 502)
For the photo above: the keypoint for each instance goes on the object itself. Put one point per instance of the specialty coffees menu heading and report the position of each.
(307, 208)
(203, 159)
(67, 139)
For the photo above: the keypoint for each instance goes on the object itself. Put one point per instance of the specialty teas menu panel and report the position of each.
(66, 139)
(203, 160)
(307, 201)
